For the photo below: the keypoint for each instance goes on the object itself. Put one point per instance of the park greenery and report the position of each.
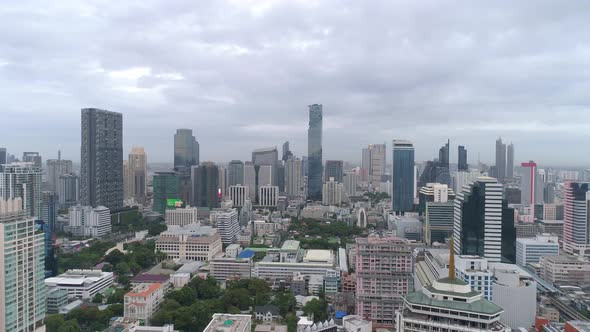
(315, 234)
(86, 258)
(83, 319)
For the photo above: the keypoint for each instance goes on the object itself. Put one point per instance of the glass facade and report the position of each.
(403, 176)
(235, 173)
(314, 153)
(205, 184)
(166, 185)
(186, 150)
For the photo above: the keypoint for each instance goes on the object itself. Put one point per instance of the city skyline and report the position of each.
(453, 79)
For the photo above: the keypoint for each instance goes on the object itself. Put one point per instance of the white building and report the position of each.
(181, 216)
(228, 225)
(294, 178)
(229, 323)
(233, 250)
(180, 279)
(350, 181)
(354, 323)
(516, 293)
(239, 194)
(22, 180)
(90, 222)
(475, 271)
(250, 180)
(268, 196)
(462, 178)
(332, 193)
(530, 250)
(82, 284)
(143, 301)
(202, 246)
(224, 268)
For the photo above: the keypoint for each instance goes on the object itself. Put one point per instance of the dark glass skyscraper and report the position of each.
(402, 176)
(166, 185)
(205, 184)
(510, 161)
(235, 173)
(2, 157)
(314, 153)
(101, 171)
(462, 164)
(334, 169)
(186, 150)
(500, 172)
(286, 152)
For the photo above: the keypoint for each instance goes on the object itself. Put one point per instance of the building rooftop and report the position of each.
(319, 256)
(481, 306)
(143, 290)
(229, 323)
(78, 277)
(290, 245)
(150, 278)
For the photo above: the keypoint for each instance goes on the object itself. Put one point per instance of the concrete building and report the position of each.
(332, 192)
(377, 164)
(228, 226)
(68, 190)
(516, 294)
(250, 179)
(403, 176)
(438, 221)
(56, 300)
(462, 178)
(350, 182)
(198, 243)
(383, 276)
(55, 169)
(314, 153)
(22, 253)
(82, 284)
(239, 194)
(235, 173)
(294, 186)
(529, 251)
(229, 323)
(268, 196)
(181, 216)
(136, 175)
(576, 213)
(33, 157)
(22, 180)
(225, 268)
(354, 323)
(89, 222)
(101, 171)
(565, 270)
(142, 302)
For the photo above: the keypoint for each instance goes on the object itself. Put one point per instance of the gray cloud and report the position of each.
(241, 74)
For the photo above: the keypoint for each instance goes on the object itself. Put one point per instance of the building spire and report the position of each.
(452, 260)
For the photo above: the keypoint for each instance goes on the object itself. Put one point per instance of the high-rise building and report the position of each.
(49, 206)
(33, 157)
(483, 223)
(510, 161)
(22, 180)
(239, 194)
(205, 184)
(334, 169)
(403, 176)
(265, 156)
(500, 161)
(55, 169)
(88, 221)
(228, 225)
(350, 181)
(235, 173)
(529, 183)
(186, 151)
(166, 185)
(377, 163)
(68, 190)
(461, 178)
(286, 152)
(530, 250)
(22, 286)
(314, 153)
(2, 157)
(383, 276)
(101, 172)
(462, 164)
(268, 196)
(332, 192)
(294, 178)
(365, 164)
(250, 179)
(222, 181)
(137, 175)
(576, 215)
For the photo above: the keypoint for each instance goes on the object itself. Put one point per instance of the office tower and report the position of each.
(239, 194)
(68, 190)
(166, 185)
(530, 250)
(88, 221)
(101, 172)
(228, 225)
(186, 151)
(205, 184)
(49, 206)
(332, 192)
(250, 179)
(222, 181)
(383, 276)
(235, 173)
(443, 306)
(438, 224)
(268, 196)
(510, 161)
(294, 178)
(549, 193)
(334, 169)
(265, 156)
(33, 157)
(125, 179)
(500, 173)
(484, 225)
(576, 214)
(443, 154)
(2, 156)
(22, 286)
(22, 180)
(377, 163)
(402, 176)
(529, 185)
(55, 169)
(137, 175)
(365, 164)
(314, 153)
(281, 176)
(462, 178)
(286, 152)
(462, 164)
(350, 181)
(443, 174)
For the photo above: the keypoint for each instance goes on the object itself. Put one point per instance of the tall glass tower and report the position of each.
(402, 176)
(186, 150)
(314, 153)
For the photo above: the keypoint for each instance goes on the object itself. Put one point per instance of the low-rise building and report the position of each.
(181, 216)
(224, 268)
(530, 250)
(82, 284)
(143, 301)
(56, 299)
(354, 323)
(199, 244)
(229, 323)
(233, 250)
(267, 313)
(179, 280)
(565, 269)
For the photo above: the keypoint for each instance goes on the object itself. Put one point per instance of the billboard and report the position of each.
(174, 203)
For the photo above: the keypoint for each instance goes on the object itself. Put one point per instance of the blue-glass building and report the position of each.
(402, 176)
(314, 153)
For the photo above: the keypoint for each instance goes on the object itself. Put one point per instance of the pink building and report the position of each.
(383, 276)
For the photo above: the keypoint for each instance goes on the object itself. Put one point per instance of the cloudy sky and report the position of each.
(241, 73)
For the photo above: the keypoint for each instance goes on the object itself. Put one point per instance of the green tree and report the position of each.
(285, 301)
(117, 297)
(237, 297)
(97, 298)
(53, 322)
(184, 296)
(115, 257)
(316, 308)
(69, 326)
(116, 309)
(291, 321)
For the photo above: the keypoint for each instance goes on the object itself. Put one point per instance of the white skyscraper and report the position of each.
(228, 225)
(22, 180)
(294, 178)
(239, 194)
(332, 193)
(55, 169)
(350, 181)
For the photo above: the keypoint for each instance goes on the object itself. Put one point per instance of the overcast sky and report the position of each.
(241, 74)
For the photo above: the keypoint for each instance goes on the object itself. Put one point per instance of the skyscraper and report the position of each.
(22, 180)
(462, 164)
(294, 178)
(510, 161)
(2, 157)
(205, 184)
(235, 173)
(101, 171)
(443, 174)
(33, 157)
(332, 192)
(286, 152)
(443, 154)
(250, 180)
(334, 169)
(314, 153)
(68, 190)
(22, 286)
(483, 223)
(49, 205)
(166, 185)
(186, 150)
(365, 164)
(137, 174)
(500, 161)
(576, 214)
(402, 176)
(529, 182)
(55, 169)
